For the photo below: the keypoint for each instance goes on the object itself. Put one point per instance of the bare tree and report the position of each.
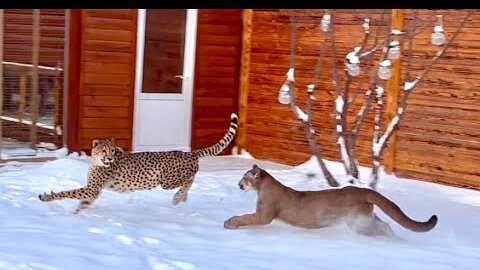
(379, 62)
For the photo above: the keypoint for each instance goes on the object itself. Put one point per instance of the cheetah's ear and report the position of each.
(95, 143)
(112, 140)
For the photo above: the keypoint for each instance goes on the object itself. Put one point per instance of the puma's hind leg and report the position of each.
(371, 226)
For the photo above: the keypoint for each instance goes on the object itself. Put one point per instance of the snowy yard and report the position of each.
(143, 230)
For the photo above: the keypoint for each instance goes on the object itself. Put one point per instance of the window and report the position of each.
(164, 49)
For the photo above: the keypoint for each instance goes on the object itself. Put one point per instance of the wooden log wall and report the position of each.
(273, 132)
(107, 76)
(217, 68)
(439, 139)
(18, 36)
(107, 71)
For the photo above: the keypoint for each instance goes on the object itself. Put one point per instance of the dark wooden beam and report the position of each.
(72, 111)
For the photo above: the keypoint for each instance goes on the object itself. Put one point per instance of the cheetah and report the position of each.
(113, 169)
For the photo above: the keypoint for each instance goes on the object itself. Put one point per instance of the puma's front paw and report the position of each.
(46, 197)
(230, 223)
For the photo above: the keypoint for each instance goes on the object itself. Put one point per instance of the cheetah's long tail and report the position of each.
(223, 143)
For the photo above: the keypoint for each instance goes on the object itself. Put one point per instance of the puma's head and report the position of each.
(251, 179)
(103, 152)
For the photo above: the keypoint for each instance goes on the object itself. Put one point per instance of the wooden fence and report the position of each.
(31, 84)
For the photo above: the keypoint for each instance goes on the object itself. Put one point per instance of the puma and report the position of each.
(317, 209)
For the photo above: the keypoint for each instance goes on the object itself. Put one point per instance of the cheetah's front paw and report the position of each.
(46, 197)
(178, 198)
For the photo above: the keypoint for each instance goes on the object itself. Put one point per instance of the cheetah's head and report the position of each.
(251, 179)
(103, 152)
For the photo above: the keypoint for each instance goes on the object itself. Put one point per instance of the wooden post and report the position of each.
(393, 92)
(34, 99)
(22, 86)
(56, 93)
(1, 77)
(244, 73)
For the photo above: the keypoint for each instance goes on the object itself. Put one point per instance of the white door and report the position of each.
(166, 41)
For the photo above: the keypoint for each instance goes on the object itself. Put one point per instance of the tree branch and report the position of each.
(373, 84)
(369, 55)
(341, 109)
(376, 134)
(305, 118)
(409, 86)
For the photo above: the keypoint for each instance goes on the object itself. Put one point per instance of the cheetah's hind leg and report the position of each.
(181, 195)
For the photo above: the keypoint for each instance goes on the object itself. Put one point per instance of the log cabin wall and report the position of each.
(217, 67)
(272, 131)
(439, 139)
(107, 76)
(18, 36)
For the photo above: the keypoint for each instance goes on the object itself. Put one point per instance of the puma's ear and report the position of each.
(256, 170)
(95, 143)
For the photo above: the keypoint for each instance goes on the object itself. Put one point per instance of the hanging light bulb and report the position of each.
(438, 35)
(353, 65)
(325, 24)
(394, 51)
(284, 94)
(384, 70)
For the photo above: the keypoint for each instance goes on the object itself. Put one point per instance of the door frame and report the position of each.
(188, 73)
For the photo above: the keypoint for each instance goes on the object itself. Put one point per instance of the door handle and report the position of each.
(181, 76)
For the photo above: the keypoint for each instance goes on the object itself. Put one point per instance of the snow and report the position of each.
(409, 85)
(438, 29)
(143, 230)
(343, 151)
(377, 147)
(397, 32)
(327, 17)
(385, 63)
(354, 60)
(301, 115)
(325, 24)
(352, 56)
(379, 91)
(366, 25)
(285, 88)
(394, 43)
(339, 104)
(290, 75)
(310, 88)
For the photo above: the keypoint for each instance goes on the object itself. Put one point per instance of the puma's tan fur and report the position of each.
(316, 209)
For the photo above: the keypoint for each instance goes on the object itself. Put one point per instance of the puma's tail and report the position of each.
(395, 213)
(223, 143)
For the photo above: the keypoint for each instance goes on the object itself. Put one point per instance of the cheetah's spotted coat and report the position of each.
(116, 170)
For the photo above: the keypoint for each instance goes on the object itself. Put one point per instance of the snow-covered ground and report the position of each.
(143, 230)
